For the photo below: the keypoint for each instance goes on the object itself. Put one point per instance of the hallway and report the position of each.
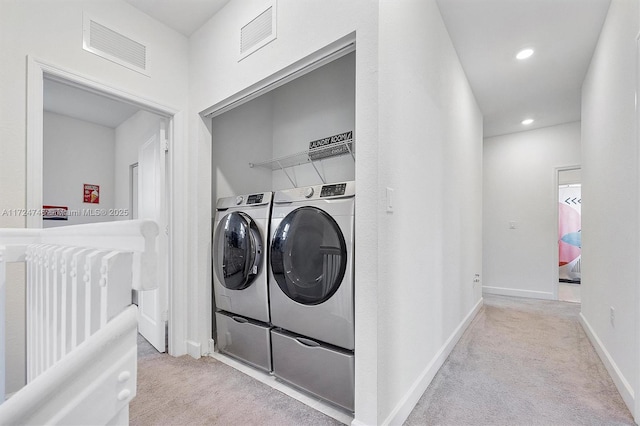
(521, 361)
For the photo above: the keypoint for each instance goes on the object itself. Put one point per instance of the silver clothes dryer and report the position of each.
(311, 290)
(311, 262)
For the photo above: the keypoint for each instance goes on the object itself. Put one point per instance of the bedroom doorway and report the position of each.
(569, 234)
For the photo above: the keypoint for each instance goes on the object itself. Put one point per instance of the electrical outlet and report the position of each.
(476, 278)
(612, 316)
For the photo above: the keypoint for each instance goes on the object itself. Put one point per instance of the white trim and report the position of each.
(333, 51)
(625, 389)
(3, 304)
(636, 412)
(516, 292)
(194, 349)
(37, 70)
(406, 404)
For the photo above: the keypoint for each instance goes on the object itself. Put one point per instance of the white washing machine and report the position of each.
(240, 238)
(311, 289)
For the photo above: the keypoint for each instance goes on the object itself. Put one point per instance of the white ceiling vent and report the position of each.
(114, 46)
(258, 32)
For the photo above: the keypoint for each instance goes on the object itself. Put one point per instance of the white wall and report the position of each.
(312, 107)
(216, 74)
(281, 123)
(431, 156)
(610, 198)
(77, 152)
(520, 186)
(414, 288)
(241, 136)
(52, 32)
(129, 137)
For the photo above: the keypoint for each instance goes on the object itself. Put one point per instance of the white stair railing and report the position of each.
(79, 281)
(71, 293)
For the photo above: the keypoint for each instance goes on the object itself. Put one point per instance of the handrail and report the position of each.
(62, 394)
(138, 236)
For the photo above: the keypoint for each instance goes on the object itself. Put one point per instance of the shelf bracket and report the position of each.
(287, 174)
(349, 149)
(316, 169)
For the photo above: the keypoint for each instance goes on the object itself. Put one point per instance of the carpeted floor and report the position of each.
(520, 362)
(186, 391)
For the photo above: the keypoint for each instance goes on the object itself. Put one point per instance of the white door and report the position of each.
(152, 204)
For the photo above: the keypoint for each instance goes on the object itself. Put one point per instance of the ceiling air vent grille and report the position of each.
(258, 32)
(116, 47)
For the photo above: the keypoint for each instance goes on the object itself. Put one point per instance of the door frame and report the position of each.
(636, 414)
(556, 180)
(37, 71)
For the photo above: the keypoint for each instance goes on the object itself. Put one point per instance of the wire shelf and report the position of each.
(310, 156)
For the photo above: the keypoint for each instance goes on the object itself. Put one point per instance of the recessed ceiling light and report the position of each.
(524, 54)
(527, 121)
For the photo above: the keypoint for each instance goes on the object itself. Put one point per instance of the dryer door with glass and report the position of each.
(237, 251)
(308, 256)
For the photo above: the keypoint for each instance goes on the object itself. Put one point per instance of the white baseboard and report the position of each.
(625, 389)
(503, 291)
(404, 407)
(194, 349)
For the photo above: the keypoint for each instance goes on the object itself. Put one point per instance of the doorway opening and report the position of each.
(569, 233)
(140, 132)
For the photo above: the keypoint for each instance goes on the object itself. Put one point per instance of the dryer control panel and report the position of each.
(255, 198)
(333, 190)
(315, 192)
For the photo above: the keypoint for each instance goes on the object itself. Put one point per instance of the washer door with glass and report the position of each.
(237, 251)
(308, 256)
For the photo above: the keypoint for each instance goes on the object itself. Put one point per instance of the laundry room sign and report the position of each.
(331, 146)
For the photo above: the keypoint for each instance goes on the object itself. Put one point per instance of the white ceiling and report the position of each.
(487, 34)
(84, 105)
(184, 16)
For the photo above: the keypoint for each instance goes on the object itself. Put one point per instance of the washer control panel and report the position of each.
(333, 190)
(255, 198)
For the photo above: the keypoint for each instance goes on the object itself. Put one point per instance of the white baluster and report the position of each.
(57, 305)
(29, 256)
(77, 297)
(65, 299)
(116, 283)
(39, 311)
(49, 307)
(93, 265)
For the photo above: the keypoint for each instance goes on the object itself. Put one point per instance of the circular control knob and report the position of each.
(239, 200)
(308, 193)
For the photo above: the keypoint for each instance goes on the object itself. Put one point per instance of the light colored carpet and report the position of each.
(186, 391)
(522, 362)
